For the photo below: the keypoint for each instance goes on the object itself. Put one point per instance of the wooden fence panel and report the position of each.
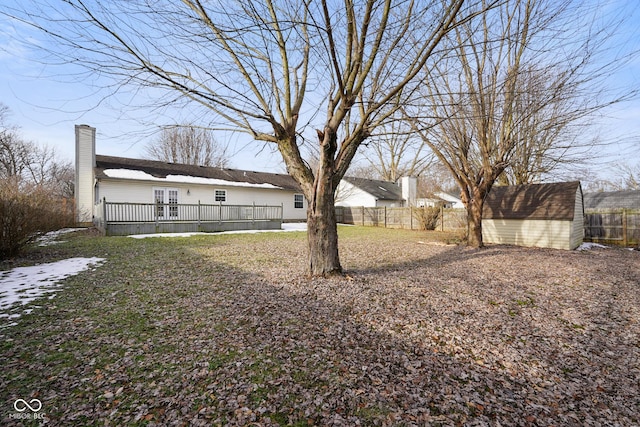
(407, 218)
(616, 227)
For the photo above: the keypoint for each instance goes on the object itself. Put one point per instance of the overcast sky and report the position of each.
(47, 100)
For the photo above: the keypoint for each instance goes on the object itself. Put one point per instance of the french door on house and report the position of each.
(166, 200)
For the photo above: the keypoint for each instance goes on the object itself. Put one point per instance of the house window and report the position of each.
(220, 195)
(298, 201)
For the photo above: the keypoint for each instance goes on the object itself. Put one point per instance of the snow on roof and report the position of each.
(144, 176)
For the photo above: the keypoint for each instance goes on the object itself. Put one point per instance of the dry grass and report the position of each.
(225, 330)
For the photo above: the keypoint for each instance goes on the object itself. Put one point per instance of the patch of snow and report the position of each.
(294, 226)
(22, 285)
(51, 237)
(183, 179)
(287, 226)
(587, 246)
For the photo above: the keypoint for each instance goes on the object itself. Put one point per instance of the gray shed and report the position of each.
(542, 215)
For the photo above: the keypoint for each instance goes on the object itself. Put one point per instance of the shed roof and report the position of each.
(381, 190)
(612, 200)
(532, 201)
(158, 169)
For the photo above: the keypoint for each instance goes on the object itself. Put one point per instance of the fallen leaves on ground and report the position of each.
(230, 332)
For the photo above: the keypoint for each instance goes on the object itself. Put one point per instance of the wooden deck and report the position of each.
(122, 219)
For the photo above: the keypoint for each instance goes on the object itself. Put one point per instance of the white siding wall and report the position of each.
(349, 195)
(85, 161)
(539, 233)
(142, 192)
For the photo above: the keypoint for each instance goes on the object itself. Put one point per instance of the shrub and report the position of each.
(428, 217)
(27, 211)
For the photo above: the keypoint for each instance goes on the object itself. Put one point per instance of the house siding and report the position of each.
(130, 191)
(537, 233)
(350, 195)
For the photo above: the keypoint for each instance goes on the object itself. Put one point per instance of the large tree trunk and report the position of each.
(473, 199)
(322, 232)
(474, 222)
(322, 229)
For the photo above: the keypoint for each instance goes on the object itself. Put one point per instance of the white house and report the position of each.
(542, 215)
(123, 180)
(374, 193)
(441, 198)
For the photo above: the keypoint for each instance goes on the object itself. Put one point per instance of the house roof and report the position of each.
(448, 196)
(108, 167)
(381, 190)
(613, 200)
(532, 201)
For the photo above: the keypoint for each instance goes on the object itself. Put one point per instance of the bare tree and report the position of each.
(188, 145)
(623, 176)
(291, 73)
(14, 153)
(395, 151)
(26, 162)
(518, 80)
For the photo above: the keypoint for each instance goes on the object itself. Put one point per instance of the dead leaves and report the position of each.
(441, 336)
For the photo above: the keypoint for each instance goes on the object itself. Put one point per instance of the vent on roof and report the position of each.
(382, 188)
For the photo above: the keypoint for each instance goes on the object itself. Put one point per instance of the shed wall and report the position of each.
(538, 233)
(577, 225)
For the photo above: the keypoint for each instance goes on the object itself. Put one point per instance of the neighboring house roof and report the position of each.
(446, 195)
(381, 190)
(450, 197)
(613, 200)
(124, 168)
(532, 201)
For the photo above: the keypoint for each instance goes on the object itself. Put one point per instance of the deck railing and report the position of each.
(112, 214)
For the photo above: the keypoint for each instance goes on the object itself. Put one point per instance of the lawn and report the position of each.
(226, 330)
